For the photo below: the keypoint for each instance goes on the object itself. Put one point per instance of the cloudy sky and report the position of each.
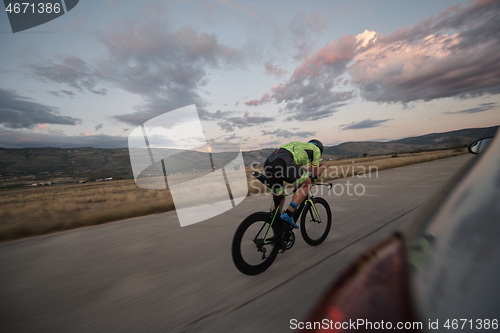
(260, 73)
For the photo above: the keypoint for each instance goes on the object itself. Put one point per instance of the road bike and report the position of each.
(263, 235)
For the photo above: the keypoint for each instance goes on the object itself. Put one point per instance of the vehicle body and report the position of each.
(440, 274)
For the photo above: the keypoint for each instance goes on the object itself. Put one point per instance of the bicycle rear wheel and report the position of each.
(250, 255)
(316, 221)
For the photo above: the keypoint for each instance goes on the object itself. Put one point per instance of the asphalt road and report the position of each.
(148, 274)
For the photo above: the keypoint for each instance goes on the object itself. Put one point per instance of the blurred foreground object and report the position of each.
(441, 273)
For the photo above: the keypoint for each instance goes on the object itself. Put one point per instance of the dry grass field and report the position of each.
(29, 211)
(39, 210)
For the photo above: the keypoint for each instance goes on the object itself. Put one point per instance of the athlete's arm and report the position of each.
(316, 171)
(317, 167)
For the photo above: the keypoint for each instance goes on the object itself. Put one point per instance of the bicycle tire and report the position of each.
(240, 260)
(311, 236)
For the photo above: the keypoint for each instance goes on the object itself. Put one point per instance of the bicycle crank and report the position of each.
(288, 240)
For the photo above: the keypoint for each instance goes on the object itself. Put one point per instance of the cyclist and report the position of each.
(288, 163)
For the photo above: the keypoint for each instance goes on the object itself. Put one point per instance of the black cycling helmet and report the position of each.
(318, 144)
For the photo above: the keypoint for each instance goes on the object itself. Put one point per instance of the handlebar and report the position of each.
(313, 183)
(330, 185)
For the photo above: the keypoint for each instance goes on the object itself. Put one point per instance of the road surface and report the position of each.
(148, 274)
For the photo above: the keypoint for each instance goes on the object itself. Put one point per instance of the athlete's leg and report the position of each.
(301, 193)
(299, 177)
(282, 203)
(275, 167)
(278, 192)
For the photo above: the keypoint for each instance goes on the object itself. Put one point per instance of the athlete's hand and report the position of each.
(316, 171)
(322, 167)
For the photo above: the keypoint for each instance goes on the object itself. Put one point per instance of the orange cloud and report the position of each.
(45, 129)
(264, 99)
(423, 62)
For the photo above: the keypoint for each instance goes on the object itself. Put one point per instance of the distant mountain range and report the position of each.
(432, 141)
(73, 164)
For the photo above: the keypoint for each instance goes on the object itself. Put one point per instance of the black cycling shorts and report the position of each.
(281, 167)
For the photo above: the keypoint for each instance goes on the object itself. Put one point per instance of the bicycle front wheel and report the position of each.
(251, 254)
(316, 221)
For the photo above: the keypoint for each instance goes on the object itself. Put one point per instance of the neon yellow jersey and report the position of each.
(304, 153)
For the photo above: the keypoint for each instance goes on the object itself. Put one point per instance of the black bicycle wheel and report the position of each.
(315, 227)
(250, 255)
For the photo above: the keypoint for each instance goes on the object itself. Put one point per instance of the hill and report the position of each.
(434, 141)
(61, 165)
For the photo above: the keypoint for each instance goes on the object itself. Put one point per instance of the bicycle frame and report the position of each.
(277, 204)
